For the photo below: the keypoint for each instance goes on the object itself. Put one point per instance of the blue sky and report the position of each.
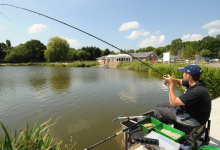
(126, 24)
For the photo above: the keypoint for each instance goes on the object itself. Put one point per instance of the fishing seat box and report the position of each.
(192, 134)
(127, 142)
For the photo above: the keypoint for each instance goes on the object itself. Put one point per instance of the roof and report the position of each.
(143, 54)
(119, 56)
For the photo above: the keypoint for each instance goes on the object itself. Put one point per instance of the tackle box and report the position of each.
(161, 126)
(151, 120)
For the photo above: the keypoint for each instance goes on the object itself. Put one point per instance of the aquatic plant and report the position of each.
(39, 137)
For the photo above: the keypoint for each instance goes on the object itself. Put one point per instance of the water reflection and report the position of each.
(78, 126)
(60, 79)
(130, 95)
(90, 75)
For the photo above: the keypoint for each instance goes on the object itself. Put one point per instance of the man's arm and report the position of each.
(177, 82)
(175, 101)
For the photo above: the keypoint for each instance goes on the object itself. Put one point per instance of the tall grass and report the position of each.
(73, 64)
(211, 75)
(39, 137)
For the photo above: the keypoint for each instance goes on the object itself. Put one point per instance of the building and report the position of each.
(115, 59)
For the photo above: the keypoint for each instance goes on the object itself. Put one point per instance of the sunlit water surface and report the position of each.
(86, 100)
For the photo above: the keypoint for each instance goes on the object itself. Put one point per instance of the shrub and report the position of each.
(39, 137)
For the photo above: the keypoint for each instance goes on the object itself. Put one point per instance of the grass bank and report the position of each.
(73, 64)
(211, 75)
(38, 137)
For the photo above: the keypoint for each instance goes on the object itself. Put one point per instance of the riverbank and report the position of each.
(57, 64)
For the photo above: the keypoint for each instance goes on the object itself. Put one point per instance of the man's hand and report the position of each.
(168, 79)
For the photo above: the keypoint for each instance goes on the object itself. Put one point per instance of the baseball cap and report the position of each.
(193, 70)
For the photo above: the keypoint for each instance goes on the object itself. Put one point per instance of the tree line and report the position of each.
(206, 47)
(58, 50)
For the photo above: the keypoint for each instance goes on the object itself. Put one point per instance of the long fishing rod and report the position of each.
(83, 32)
(116, 134)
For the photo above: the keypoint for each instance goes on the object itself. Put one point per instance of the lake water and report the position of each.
(86, 100)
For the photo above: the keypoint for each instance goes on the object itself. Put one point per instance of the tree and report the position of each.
(106, 51)
(2, 50)
(18, 54)
(81, 54)
(218, 36)
(176, 45)
(211, 44)
(205, 53)
(57, 50)
(8, 43)
(219, 54)
(36, 50)
(158, 51)
(189, 52)
(112, 52)
(96, 53)
(73, 54)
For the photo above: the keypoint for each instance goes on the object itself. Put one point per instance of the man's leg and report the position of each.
(166, 113)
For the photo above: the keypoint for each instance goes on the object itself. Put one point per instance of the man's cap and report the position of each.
(193, 70)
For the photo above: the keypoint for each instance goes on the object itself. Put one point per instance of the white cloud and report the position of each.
(136, 34)
(213, 31)
(0, 26)
(158, 31)
(36, 28)
(129, 25)
(153, 41)
(193, 37)
(215, 23)
(72, 42)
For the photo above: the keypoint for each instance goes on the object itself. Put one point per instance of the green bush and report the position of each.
(211, 75)
(39, 137)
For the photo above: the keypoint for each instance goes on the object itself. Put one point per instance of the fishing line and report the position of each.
(6, 17)
(83, 32)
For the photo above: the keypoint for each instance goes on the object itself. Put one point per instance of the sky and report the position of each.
(126, 24)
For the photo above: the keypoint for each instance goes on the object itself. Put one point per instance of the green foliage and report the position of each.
(73, 54)
(36, 50)
(176, 45)
(189, 52)
(219, 54)
(57, 53)
(211, 75)
(106, 51)
(95, 52)
(147, 49)
(57, 50)
(158, 51)
(205, 53)
(38, 137)
(18, 54)
(2, 50)
(8, 43)
(81, 54)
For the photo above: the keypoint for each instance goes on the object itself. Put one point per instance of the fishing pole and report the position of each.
(85, 33)
(116, 134)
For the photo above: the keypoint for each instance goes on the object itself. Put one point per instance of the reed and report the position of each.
(39, 137)
(211, 75)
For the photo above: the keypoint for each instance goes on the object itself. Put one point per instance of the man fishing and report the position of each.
(193, 107)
